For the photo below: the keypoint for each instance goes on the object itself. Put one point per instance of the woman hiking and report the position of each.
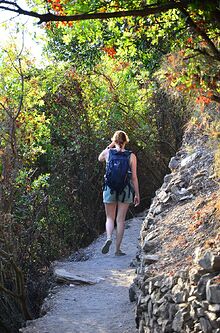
(120, 189)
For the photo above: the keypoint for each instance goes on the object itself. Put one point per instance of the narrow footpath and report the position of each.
(101, 304)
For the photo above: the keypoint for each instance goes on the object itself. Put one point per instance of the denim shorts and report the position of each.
(127, 196)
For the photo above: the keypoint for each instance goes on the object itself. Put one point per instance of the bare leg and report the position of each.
(110, 210)
(121, 215)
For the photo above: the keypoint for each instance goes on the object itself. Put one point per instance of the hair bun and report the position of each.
(120, 137)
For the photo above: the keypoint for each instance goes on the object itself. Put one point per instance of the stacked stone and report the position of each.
(187, 302)
(191, 174)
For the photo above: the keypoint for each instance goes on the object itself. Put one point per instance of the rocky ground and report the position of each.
(94, 296)
(177, 288)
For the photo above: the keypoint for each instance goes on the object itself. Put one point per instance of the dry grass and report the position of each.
(217, 162)
(185, 228)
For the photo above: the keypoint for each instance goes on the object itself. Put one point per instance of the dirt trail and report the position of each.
(103, 307)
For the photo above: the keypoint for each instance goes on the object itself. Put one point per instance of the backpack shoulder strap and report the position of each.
(111, 153)
(128, 152)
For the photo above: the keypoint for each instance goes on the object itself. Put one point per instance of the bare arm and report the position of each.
(104, 154)
(135, 179)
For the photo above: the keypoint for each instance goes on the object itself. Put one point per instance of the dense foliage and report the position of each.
(143, 74)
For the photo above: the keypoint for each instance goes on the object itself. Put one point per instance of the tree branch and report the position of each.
(200, 32)
(197, 51)
(9, 292)
(22, 90)
(147, 10)
(215, 98)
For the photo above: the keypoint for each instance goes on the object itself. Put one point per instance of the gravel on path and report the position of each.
(103, 307)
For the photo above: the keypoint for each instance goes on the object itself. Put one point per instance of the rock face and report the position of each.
(186, 300)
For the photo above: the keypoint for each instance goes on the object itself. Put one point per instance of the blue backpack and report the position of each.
(118, 172)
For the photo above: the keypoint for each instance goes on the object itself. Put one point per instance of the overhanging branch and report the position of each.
(48, 17)
(201, 33)
(144, 12)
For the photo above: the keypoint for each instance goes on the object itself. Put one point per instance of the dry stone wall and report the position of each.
(189, 300)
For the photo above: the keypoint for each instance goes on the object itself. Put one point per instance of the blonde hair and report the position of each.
(120, 137)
